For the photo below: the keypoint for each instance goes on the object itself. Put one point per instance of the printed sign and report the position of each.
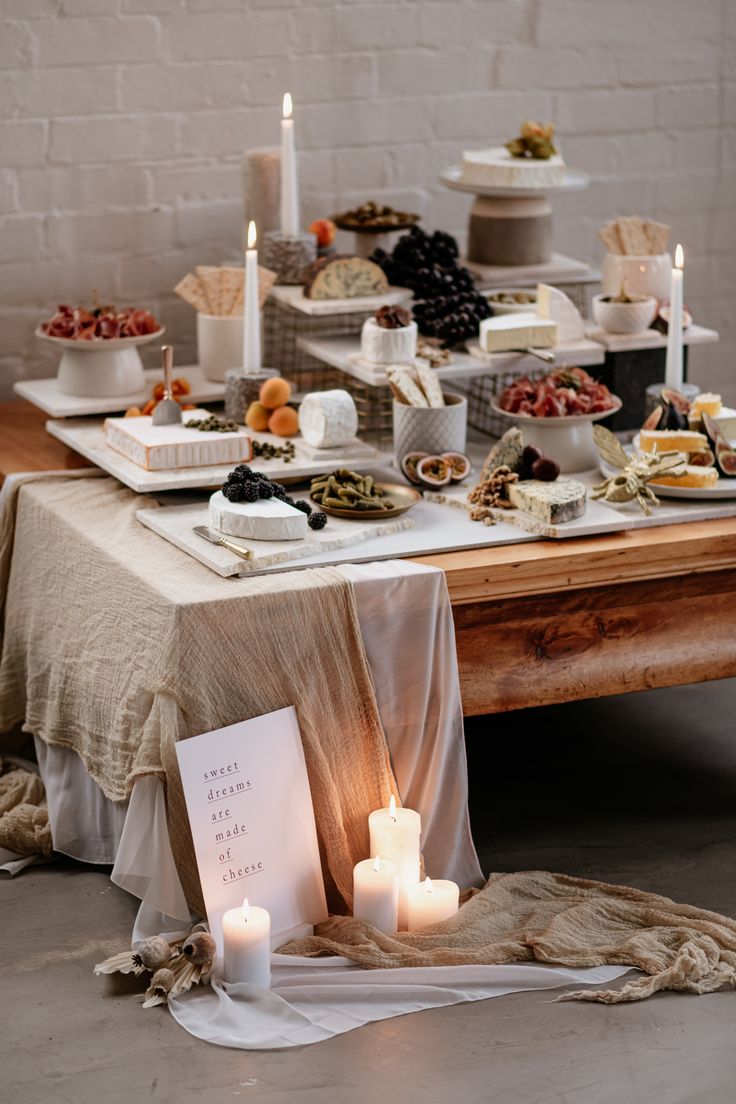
(251, 816)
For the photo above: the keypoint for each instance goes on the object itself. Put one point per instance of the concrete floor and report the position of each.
(638, 789)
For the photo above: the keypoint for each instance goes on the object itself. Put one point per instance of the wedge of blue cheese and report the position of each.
(553, 503)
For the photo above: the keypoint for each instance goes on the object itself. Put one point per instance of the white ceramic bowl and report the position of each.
(102, 368)
(624, 318)
(567, 440)
(512, 308)
(638, 275)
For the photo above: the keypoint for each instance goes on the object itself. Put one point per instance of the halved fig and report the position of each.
(674, 410)
(653, 419)
(703, 459)
(434, 471)
(409, 465)
(459, 465)
(662, 321)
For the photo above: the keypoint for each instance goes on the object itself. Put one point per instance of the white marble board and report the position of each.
(87, 438)
(293, 296)
(45, 394)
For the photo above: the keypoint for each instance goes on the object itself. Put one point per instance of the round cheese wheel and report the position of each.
(382, 346)
(328, 419)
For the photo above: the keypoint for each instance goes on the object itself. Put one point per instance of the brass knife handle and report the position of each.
(244, 553)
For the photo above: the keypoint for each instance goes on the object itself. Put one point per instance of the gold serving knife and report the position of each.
(216, 538)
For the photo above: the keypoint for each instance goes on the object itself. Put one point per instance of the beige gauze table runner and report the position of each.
(116, 645)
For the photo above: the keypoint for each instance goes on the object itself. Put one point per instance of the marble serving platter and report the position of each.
(343, 352)
(293, 296)
(86, 436)
(176, 524)
(45, 394)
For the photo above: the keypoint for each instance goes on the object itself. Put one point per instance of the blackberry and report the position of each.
(232, 491)
(317, 520)
(304, 506)
(265, 488)
(249, 492)
(280, 492)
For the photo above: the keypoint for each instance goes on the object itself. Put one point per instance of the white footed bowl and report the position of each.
(624, 318)
(101, 369)
(639, 275)
(567, 440)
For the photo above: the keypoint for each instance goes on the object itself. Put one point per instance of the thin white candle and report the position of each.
(395, 835)
(674, 368)
(376, 893)
(431, 901)
(246, 939)
(289, 186)
(251, 309)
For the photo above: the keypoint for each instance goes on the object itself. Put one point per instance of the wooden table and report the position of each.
(549, 621)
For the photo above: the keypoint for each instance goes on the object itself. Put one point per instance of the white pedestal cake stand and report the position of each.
(511, 226)
(101, 368)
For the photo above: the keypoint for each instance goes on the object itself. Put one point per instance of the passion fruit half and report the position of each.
(459, 465)
(434, 471)
(409, 465)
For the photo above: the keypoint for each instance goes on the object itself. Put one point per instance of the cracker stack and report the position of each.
(220, 289)
(415, 385)
(635, 237)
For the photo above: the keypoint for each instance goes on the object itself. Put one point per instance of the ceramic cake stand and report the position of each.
(101, 368)
(511, 226)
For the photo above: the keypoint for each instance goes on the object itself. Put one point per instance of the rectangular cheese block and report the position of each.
(505, 332)
(267, 519)
(164, 448)
(562, 500)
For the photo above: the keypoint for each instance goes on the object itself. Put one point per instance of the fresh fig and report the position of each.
(725, 455)
(528, 458)
(545, 469)
(434, 471)
(409, 465)
(459, 465)
(653, 419)
(704, 459)
(662, 321)
(673, 416)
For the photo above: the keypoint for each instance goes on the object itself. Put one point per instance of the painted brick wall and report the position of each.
(123, 122)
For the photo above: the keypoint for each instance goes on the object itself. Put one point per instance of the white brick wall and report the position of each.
(122, 124)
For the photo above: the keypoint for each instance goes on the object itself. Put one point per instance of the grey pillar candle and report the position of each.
(262, 188)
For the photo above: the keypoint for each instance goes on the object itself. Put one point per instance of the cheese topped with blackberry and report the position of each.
(560, 501)
(267, 519)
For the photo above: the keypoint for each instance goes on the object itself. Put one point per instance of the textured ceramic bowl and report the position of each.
(512, 308)
(624, 318)
(431, 429)
(637, 275)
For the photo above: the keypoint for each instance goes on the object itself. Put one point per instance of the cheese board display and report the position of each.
(45, 394)
(87, 437)
(294, 299)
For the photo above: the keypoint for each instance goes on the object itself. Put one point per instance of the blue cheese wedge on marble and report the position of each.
(268, 519)
(553, 503)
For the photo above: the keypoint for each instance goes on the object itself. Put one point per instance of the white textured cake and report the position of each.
(388, 346)
(167, 447)
(496, 168)
(266, 519)
(328, 419)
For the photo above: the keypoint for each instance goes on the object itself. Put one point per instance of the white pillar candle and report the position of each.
(431, 901)
(251, 309)
(246, 940)
(674, 370)
(289, 187)
(395, 835)
(376, 893)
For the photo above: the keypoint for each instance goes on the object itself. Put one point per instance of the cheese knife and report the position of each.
(216, 538)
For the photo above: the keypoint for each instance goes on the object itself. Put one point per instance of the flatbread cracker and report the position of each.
(231, 290)
(190, 289)
(210, 277)
(400, 376)
(658, 236)
(429, 384)
(610, 238)
(633, 236)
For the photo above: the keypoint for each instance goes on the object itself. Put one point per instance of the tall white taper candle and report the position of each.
(251, 309)
(289, 187)
(674, 369)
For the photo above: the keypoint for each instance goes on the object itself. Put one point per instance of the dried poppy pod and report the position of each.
(153, 952)
(199, 947)
(161, 985)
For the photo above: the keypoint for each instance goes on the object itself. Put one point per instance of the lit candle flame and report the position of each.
(287, 106)
(251, 234)
(246, 910)
(377, 864)
(428, 887)
(679, 257)
(392, 808)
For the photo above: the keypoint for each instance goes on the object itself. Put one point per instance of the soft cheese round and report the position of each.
(268, 519)
(382, 346)
(328, 419)
(496, 168)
